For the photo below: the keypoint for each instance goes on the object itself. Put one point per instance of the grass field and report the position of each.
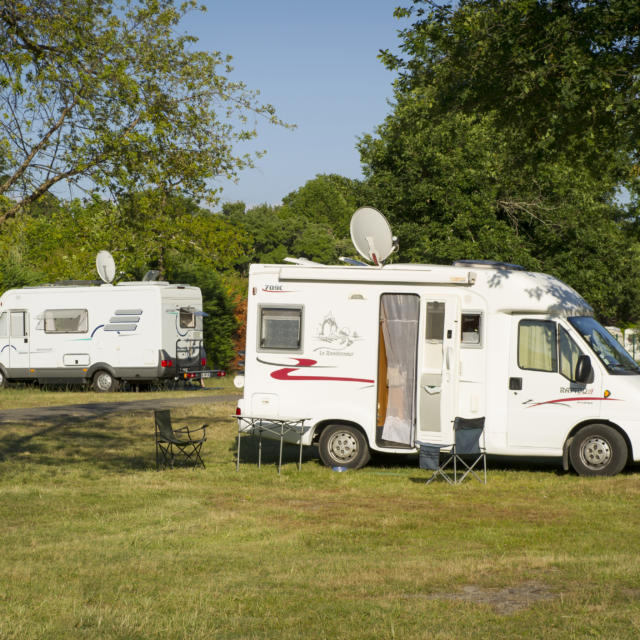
(97, 544)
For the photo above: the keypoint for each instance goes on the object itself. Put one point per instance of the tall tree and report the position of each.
(105, 94)
(462, 176)
(330, 199)
(560, 75)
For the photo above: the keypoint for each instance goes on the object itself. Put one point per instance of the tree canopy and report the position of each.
(106, 95)
(503, 142)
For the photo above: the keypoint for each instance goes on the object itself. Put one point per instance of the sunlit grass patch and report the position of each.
(98, 544)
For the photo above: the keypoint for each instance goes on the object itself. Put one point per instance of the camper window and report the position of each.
(4, 325)
(18, 324)
(187, 318)
(280, 328)
(537, 345)
(470, 334)
(568, 355)
(435, 321)
(66, 321)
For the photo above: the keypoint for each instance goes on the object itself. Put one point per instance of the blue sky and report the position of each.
(316, 62)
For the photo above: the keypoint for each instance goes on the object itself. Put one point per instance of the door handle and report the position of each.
(448, 358)
(515, 384)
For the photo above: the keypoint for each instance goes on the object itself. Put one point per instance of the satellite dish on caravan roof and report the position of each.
(371, 235)
(106, 266)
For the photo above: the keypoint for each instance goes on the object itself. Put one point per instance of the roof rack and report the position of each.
(488, 264)
(68, 283)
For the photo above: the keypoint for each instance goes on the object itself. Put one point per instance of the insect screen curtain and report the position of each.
(399, 314)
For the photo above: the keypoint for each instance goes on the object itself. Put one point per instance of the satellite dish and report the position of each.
(371, 235)
(106, 266)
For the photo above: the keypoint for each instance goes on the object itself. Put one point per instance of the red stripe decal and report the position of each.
(561, 400)
(284, 374)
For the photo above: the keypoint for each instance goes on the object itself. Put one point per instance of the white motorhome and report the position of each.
(378, 358)
(101, 334)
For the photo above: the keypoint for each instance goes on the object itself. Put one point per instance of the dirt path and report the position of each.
(102, 409)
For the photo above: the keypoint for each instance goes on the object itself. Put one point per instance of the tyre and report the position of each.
(3, 379)
(104, 382)
(343, 446)
(598, 450)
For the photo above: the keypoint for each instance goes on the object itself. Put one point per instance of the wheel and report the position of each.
(103, 382)
(3, 379)
(598, 450)
(343, 446)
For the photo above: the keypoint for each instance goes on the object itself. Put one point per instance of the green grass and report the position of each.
(18, 396)
(97, 544)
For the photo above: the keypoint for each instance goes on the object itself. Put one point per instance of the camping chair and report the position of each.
(172, 442)
(465, 452)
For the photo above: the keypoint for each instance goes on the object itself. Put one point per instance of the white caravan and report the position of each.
(101, 335)
(378, 358)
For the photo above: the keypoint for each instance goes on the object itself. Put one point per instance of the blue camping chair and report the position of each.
(461, 459)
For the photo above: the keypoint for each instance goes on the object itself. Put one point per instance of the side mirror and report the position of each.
(584, 370)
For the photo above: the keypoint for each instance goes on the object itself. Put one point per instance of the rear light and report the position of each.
(188, 376)
(166, 363)
(221, 374)
(203, 361)
(238, 411)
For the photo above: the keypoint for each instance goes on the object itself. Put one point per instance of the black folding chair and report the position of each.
(177, 443)
(461, 458)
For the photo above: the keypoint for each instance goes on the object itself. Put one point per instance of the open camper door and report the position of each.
(437, 368)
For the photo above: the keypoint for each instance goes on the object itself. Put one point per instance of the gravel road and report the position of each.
(72, 412)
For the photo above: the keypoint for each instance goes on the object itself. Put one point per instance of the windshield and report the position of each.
(606, 347)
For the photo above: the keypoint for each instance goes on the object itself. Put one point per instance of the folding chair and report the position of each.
(466, 451)
(181, 442)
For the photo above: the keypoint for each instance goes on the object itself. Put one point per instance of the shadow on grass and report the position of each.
(67, 441)
(383, 463)
(250, 451)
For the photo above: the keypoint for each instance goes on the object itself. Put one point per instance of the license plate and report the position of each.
(205, 374)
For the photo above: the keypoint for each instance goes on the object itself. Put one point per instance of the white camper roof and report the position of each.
(505, 288)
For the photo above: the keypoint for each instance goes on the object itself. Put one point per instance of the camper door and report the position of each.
(544, 399)
(19, 340)
(437, 369)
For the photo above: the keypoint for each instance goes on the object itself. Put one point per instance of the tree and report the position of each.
(561, 76)
(105, 95)
(330, 199)
(278, 232)
(60, 240)
(460, 177)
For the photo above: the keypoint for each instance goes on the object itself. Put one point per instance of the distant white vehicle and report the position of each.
(377, 358)
(102, 335)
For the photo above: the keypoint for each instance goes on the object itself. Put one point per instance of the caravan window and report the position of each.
(470, 329)
(4, 325)
(18, 324)
(537, 345)
(66, 321)
(280, 328)
(187, 318)
(568, 352)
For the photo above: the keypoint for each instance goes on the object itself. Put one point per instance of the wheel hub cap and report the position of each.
(596, 453)
(343, 447)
